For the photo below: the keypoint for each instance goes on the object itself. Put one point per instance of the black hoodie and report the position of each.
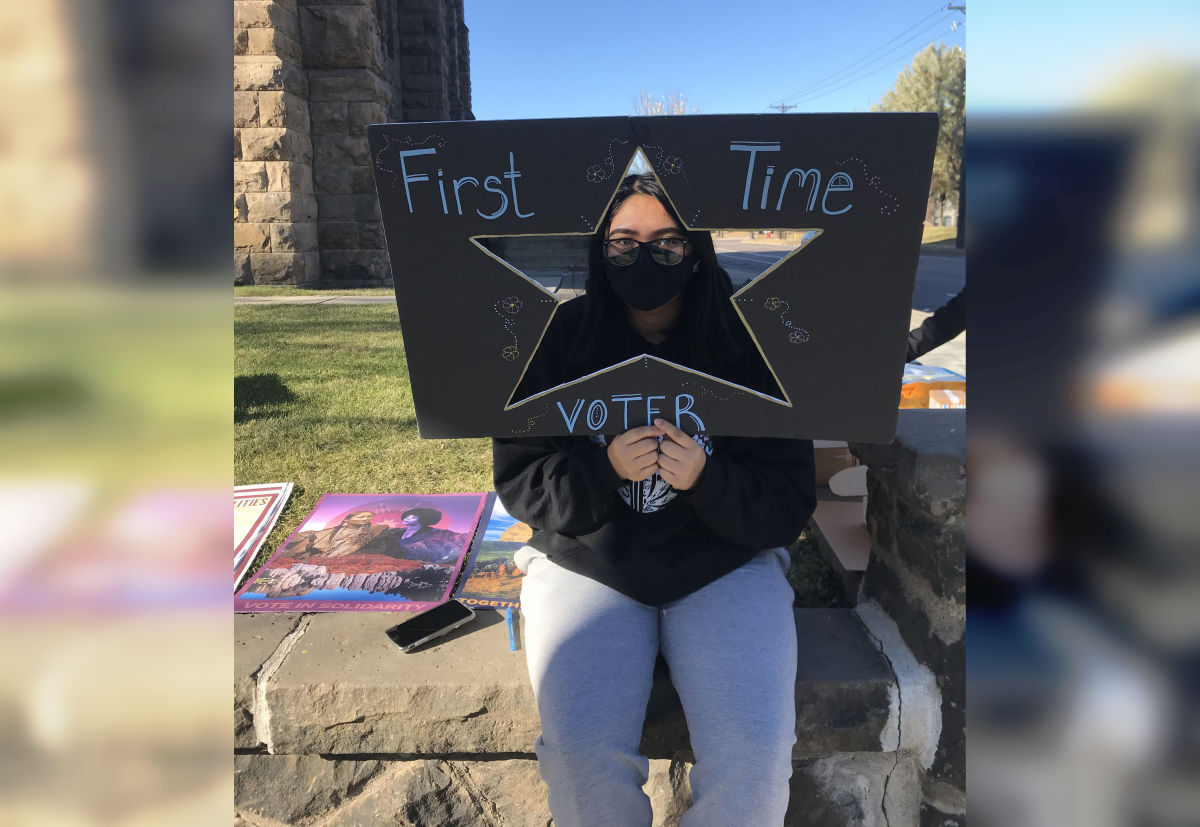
(647, 540)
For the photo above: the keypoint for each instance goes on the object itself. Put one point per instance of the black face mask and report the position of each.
(646, 284)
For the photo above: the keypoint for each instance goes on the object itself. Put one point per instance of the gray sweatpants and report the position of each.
(731, 648)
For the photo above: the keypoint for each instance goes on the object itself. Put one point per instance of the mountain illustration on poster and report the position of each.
(829, 318)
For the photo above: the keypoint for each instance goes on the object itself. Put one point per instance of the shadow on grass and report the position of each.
(259, 396)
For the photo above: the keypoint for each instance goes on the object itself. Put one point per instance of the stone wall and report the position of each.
(915, 586)
(309, 75)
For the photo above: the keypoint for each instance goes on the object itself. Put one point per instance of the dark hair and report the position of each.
(425, 516)
(706, 323)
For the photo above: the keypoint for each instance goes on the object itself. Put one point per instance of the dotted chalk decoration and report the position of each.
(891, 202)
(506, 308)
(531, 421)
(388, 140)
(601, 172)
(796, 334)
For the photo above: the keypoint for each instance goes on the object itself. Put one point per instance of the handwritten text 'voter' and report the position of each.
(597, 412)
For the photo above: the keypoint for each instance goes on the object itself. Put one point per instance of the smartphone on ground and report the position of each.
(430, 624)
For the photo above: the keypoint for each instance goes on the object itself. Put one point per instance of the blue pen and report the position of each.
(512, 638)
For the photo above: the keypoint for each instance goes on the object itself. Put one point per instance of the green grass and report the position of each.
(814, 582)
(932, 235)
(289, 290)
(322, 399)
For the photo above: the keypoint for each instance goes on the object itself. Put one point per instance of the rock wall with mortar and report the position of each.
(916, 577)
(309, 75)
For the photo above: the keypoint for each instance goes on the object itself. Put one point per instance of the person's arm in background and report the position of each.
(947, 321)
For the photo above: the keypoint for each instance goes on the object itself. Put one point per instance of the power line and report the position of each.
(837, 75)
(870, 70)
(783, 107)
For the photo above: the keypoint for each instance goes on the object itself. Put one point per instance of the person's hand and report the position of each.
(680, 458)
(634, 454)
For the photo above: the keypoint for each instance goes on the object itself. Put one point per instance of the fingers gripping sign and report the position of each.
(634, 454)
(680, 458)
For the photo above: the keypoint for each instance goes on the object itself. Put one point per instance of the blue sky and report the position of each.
(542, 59)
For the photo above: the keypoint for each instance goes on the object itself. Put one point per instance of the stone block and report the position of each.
(358, 266)
(347, 690)
(252, 238)
(332, 178)
(245, 109)
(346, 85)
(370, 235)
(275, 144)
(278, 789)
(251, 14)
(934, 631)
(287, 207)
(362, 180)
(249, 176)
(340, 36)
(288, 176)
(339, 235)
(669, 790)
(853, 789)
(289, 789)
(283, 109)
(942, 805)
(272, 42)
(240, 209)
(255, 73)
(366, 208)
(299, 237)
(329, 118)
(241, 41)
(410, 65)
(348, 207)
(285, 268)
(256, 637)
(362, 114)
(929, 625)
(426, 83)
(242, 274)
(411, 44)
(931, 546)
(843, 684)
(341, 149)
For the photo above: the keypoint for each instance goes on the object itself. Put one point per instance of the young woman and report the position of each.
(652, 541)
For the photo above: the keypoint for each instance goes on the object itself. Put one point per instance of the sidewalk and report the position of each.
(951, 356)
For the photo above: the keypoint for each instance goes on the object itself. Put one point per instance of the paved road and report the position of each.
(938, 277)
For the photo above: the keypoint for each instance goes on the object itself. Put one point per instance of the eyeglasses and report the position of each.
(622, 252)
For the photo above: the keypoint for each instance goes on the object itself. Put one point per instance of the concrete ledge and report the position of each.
(332, 684)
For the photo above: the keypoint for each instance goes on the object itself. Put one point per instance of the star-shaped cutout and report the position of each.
(555, 264)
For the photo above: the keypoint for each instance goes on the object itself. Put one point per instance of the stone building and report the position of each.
(309, 75)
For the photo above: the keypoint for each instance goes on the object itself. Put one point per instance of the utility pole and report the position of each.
(784, 107)
(960, 228)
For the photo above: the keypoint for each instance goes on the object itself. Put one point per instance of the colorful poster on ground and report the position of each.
(256, 509)
(491, 579)
(368, 553)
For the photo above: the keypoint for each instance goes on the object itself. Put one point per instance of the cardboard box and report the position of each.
(831, 456)
(948, 399)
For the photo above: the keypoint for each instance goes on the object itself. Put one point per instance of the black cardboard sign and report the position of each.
(830, 320)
